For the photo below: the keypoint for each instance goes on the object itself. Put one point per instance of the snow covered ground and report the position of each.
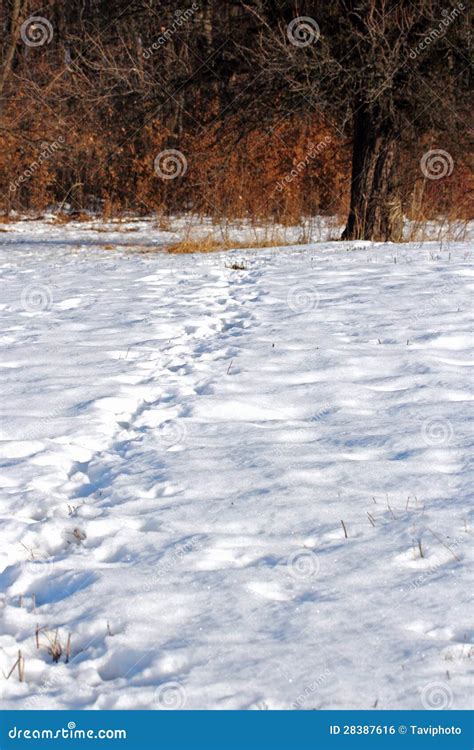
(184, 447)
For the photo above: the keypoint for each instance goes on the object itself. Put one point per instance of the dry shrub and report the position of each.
(286, 173)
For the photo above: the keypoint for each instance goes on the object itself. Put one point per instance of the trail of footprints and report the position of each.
(183, 368)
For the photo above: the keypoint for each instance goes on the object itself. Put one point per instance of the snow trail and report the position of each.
(180, 445)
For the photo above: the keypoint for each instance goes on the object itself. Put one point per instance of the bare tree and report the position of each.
(385, 70)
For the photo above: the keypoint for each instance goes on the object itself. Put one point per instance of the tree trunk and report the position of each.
(11, 45)
(375, 209)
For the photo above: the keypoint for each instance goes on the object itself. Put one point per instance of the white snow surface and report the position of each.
(180, 443)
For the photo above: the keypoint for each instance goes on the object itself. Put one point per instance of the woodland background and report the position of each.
(119, 82)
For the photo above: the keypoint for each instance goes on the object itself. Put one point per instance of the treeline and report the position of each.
(260, 109)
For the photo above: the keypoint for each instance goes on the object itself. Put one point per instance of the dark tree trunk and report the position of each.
(7, 62)
(375, 211)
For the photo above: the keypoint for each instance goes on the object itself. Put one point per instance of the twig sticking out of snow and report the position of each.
(21, 667)
(391, 511)
(20, 663)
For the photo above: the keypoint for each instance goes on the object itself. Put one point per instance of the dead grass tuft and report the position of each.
(202, 245)
(66, 218)
(212, 245)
